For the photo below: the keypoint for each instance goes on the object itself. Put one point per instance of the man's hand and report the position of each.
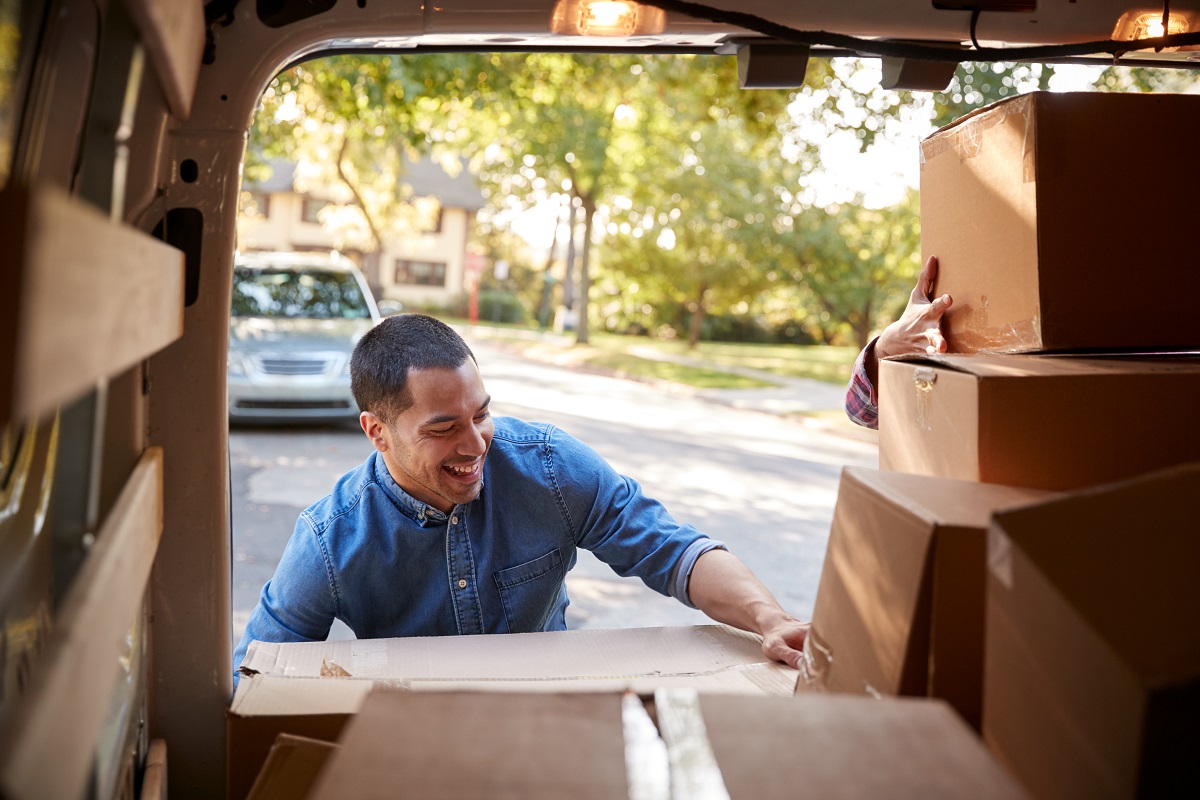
(919, 328)
(725, 589)
(785, 642)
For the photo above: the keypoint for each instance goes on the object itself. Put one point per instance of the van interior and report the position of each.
(123, 129)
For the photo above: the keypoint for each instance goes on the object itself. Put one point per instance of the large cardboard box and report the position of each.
(1043, 422)
(460, 746)
(266, 706)
(313, 688)
(1049, 212)
(703, 657)
(1092, 678)
(900, 605)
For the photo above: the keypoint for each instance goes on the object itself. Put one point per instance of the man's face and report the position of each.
(435, 449)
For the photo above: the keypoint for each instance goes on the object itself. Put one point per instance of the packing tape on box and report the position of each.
(972, 332)
(673, 759)
(923, 380)
(965, 135)
(1000, 557)
(816, 661)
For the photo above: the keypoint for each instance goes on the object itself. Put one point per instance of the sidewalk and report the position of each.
(807, 402)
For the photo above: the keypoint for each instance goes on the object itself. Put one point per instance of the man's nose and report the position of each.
(472, 442)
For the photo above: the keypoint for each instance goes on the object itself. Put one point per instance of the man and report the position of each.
(917, 331)
(459, 523)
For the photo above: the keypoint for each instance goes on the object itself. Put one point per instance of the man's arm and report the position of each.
(297, 604)
(917, 331)
(725, 589)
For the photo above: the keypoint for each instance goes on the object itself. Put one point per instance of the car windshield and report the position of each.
(298, 294)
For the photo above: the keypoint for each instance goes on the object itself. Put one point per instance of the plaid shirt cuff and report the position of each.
(862, 406)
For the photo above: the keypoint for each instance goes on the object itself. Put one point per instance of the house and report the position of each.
(421, 268)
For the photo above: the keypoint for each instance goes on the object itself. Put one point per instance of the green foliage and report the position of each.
(501, 306)
(978, 84)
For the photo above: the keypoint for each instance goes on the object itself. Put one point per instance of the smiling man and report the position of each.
(459, 523)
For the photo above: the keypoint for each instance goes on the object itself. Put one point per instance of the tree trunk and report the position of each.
(371, 259)
(585, 277)
(568, 289)
(697, 323)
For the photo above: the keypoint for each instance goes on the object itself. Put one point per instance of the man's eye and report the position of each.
(441, 432)
(484, 415)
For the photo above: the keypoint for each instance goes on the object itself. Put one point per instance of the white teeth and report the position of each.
(462, 470)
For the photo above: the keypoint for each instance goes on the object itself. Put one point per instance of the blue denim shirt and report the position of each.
(389, 565)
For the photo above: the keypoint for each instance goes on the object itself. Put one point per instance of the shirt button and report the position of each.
(454, 520)
(462, 583)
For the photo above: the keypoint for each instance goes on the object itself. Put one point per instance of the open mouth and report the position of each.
(465, 473)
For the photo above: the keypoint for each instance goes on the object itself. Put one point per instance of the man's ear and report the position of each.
(373, 427)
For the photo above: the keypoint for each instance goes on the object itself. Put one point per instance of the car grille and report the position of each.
(283, 365)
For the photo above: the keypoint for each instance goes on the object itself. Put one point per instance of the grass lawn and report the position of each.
(712, 365)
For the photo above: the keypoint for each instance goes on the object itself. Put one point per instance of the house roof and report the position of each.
(425, 178)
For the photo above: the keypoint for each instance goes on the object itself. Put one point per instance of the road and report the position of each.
(764, 485)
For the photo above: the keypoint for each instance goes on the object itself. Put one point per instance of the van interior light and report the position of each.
(1144, 24)
(606, 18)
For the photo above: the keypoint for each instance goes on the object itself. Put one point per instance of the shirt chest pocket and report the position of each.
(529, 592)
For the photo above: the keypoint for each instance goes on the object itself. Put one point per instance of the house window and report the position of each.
(311, 208)
(420, 273)
(258, 203)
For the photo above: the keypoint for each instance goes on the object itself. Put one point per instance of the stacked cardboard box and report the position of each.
(579, 746)
(314, 689)
(1009, 205)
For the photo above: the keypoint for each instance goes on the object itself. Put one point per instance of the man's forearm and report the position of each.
(725, 589)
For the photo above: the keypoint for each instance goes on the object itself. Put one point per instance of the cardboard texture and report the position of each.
(265, 706)
(533, 746)
(1009, 199)
(291, 769)
(1092, 677)
(705, 657)
(837, 746)
(900, 605)
(1042, 422)
(458, 746)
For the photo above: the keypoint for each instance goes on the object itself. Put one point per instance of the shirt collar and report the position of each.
(423, 513)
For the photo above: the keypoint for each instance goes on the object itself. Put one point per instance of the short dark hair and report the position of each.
(383, 358)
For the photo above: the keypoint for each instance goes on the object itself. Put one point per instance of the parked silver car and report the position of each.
(295, 320)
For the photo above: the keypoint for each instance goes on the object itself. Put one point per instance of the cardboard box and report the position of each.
(1043, 422)
(439, 746)
(265, 706)
(838, 747)
(291, 769)
(705, 657)
(1092, 678)
(457, 746)
(1049, 210)
(900, 605)
(286, 688)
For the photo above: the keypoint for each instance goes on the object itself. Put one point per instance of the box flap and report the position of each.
(713, 657)
(274, 695)
(1124, 556)
(291, 768)
(944, 501)
(461, 745)
(838, 746)
(986, 365)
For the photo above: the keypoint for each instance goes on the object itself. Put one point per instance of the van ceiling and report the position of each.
(967, 30)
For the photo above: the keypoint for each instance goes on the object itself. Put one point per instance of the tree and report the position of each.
(353, 122)
(853, 265)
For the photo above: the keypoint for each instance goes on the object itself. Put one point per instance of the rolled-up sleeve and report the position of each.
(610, 515)
(862, 402)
